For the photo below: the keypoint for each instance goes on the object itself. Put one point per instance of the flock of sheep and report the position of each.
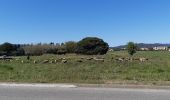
(121, 59)
(61, 60)
(65, 60)
(82, 59)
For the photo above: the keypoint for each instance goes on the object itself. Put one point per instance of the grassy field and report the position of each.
(155, 71)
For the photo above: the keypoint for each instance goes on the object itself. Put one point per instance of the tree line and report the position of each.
(86, 46)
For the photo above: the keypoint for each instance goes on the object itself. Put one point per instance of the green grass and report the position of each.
(154, 71)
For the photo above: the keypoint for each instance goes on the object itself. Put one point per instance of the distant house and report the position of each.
(144, 49)
(123, 48)
(160, 48)
(111, 50)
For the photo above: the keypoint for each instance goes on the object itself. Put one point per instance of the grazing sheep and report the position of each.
(89, 58)
(17, 59)
(35, 61)
(60, 58)
(64, 61)
(99, 59)
(127, 59)
(22, 61)
(45, 61)
(119, 59)
(142, 59)
(52, 62)
(102, 60)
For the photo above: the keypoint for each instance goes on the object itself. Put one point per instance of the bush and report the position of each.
(71, 46)
(61, 50)
(131, 47)
(92, 46)
(58, 50)
(19, 52)
(37, 50)
(51, 51)
(33, 50)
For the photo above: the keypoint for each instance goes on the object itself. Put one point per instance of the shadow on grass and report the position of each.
(6, 67)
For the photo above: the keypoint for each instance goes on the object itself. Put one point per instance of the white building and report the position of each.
(111, 50)
(160, 48)
(144, 49)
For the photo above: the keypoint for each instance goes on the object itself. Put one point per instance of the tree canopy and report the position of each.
(92, 46)
(131, 47)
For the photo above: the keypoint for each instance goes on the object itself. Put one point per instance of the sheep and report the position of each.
(64, 61)
(22, 61)
(89, 58)
(99, 59)
(127, 59)
(102, 60)
(51, 61)
(119, 59)
(142, 59)
(17, 59)
(35, 61)
(55, 61)
(45, 61)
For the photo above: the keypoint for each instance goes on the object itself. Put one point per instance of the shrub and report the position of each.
(18, 52)
(61, 50)
(131, 47)
(33, 50)
(71, 46)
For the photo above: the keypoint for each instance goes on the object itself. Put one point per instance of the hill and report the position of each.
(142, 45)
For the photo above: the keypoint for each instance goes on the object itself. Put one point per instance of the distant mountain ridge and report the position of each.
(143, 45)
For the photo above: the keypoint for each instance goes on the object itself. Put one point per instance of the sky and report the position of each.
(115, 21)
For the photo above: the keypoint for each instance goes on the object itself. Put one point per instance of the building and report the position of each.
(111, 50)
(160, 48)
(144, 49)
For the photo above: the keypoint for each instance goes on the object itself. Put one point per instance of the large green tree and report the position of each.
(92, 46)
(8, 47)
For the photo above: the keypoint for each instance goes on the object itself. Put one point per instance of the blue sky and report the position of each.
(115, 21)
